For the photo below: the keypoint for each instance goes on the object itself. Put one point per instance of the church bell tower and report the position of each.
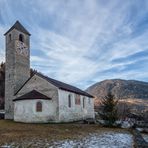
(17, 69)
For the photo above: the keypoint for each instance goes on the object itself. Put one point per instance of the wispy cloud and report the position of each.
(82, 42)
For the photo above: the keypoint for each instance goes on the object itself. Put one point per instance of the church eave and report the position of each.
(32, 95)
(59, 85)
(30, 99)
(83, 94)
(64, 86)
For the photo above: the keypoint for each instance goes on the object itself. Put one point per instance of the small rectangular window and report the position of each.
(77, 99)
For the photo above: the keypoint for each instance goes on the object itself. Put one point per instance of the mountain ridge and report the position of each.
(122, 89)
(131, 94)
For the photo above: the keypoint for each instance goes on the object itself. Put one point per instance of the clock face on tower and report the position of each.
(21, 48)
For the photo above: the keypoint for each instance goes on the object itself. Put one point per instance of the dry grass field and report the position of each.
(28, 135)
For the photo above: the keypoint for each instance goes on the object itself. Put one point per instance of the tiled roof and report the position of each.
(60, 85)
(32, 95)
(64, 86)
(18, 26)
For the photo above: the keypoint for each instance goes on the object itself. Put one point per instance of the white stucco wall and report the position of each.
(75, 112)
(25, 111)
(43, 86)
(55, 110)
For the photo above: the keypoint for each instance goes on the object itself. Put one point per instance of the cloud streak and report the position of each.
(82, 42)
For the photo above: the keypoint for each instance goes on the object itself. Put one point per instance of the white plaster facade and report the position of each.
(75, 112)
(25, 111)
(55, 110)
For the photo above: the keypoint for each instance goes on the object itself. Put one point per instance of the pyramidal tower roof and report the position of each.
(18, 26)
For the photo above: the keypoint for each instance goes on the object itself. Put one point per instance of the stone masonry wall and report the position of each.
(17, 71)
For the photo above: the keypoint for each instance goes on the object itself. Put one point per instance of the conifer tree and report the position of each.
(108, 111)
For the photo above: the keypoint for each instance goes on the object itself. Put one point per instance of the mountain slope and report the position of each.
(122, 89)
(133, 93)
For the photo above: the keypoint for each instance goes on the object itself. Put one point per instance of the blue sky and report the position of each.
(82, 42)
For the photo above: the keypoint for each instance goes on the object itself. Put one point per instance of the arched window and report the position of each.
(10, 37)
(21, 38)
(83, 102)
(39, 106)
(69, 100)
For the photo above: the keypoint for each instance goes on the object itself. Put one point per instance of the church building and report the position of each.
(38, 98)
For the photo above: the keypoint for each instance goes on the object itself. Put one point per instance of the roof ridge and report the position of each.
(53, 81)
(58, 84)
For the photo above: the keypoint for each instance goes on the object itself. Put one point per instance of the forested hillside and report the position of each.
(130, 92)
(2, 84)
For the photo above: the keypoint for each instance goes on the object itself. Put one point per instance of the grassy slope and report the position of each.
(20, 132)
